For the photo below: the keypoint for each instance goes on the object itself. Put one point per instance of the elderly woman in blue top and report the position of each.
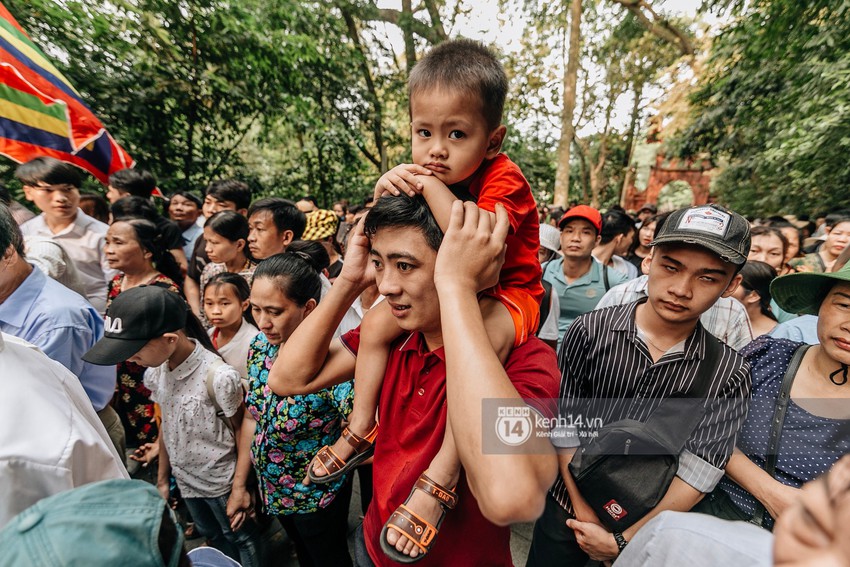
(283, 434)
(816, 430)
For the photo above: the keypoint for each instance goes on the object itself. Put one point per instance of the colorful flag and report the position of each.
(41, 114)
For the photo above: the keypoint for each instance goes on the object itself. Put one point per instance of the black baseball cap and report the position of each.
(135, 317)
(724, 232)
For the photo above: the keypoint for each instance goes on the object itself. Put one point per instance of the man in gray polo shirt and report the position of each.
(577, 277)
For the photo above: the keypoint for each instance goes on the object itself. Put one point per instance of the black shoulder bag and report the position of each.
(626, 470)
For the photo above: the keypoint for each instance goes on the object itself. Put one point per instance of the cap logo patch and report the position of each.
(111, 325)
(706, 219)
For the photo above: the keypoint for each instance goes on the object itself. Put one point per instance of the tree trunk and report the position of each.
(405, 23)
(381, 160)
(630, 140)
(562, 175)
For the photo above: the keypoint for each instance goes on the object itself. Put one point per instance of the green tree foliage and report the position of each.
(269, 91)
(774, 104)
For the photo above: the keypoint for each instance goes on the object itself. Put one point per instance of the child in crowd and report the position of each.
(226, 235)
(227, 307)
(457, 94)
(54, 187)
(153, 327)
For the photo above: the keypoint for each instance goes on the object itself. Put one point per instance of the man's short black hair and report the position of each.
(232, 190)
(404, 211)
(311, 199)
(189, 196)
(615, 222)
(50, 171)
(10, 232)
(285, 214)
(134, 207)
(138, 182)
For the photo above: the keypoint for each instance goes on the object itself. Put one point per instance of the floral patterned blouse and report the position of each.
(132, 400)
(290, 431)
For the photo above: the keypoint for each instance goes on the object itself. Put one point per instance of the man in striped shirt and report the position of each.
(639, 354)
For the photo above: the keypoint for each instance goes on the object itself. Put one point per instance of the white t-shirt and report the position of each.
(235, 353)
(51, 440)
(83, 240)
(549, 327)
(200, 446)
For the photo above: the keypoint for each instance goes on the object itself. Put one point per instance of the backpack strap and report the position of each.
(219, 413)
(605, 277)
(778, 421)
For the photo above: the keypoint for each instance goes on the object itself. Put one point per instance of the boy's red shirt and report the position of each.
(500, 181)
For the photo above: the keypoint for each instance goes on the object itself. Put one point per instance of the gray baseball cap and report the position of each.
(724, 232)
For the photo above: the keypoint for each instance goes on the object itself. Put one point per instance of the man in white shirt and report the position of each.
(51, 440)
(53, 186)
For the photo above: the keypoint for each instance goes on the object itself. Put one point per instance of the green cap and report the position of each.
(113, 522)
(803, 293)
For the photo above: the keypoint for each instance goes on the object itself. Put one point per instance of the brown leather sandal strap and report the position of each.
(444, 496)
(360, 444)
(410, 525)
(329, 460)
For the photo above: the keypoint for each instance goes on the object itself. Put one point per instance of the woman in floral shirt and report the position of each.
(285, 433)
(134, 247)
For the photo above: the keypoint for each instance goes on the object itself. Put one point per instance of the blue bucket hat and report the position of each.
(113, 522)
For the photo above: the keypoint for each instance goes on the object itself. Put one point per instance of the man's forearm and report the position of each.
(303, 354)
(473, 374)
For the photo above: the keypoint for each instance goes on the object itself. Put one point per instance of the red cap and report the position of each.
(589, 214)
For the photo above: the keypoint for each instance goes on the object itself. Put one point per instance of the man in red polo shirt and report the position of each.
(443, 364)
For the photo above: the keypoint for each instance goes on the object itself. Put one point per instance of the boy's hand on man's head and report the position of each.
(473, 248)
(401, 179)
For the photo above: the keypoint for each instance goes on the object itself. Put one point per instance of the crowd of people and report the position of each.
(651, 377)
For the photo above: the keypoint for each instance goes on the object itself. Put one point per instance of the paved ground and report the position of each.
(280, 553)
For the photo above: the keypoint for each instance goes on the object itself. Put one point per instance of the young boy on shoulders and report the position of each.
(457, 93)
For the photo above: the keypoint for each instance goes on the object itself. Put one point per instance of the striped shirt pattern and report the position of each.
(727, 319)
(607, 372)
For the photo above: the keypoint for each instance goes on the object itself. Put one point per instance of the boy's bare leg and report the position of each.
(445, 466)
(377, 332)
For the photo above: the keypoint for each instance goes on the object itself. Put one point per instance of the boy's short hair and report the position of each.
(403, 211)
(468, 67)
(230, 190)
(137, 182)
(50, 171)
(285, 214)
